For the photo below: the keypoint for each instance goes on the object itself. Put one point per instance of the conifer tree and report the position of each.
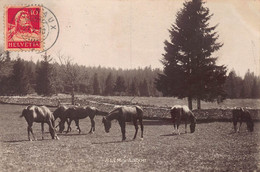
(96, 86)
(44, 70)
(190, 69)
(19, 80)
(120, 85)
(109, 85)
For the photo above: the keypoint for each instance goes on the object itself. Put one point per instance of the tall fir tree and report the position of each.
(248, 83)
(133, 90)
(144, 89)
(109, 85)
(19, 80)
(120, 85)
(190, 69)
(44, 77)
(255, 89)
(96, 86)
(230, 85)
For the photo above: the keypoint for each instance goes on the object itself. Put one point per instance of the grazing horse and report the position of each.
(39, 114)
(125, 114)
(183, 113)
(59, 113)
(76, 113)
(242, 115)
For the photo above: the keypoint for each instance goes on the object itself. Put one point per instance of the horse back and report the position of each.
(37, 114)
(90, 111)
(76, 113)
(176, 112)
(59, 112)
(183, 113)
(237, 115)
(131, 113)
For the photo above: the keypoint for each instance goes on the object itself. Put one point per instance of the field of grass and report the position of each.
(213, 146)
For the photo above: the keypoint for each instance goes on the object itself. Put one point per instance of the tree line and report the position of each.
(45, 77)
(20, 77)
(238, 87)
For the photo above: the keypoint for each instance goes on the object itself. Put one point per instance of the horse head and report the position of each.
(107, 124)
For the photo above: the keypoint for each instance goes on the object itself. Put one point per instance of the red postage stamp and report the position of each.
(23, 25)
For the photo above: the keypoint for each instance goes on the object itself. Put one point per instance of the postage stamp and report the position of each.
(23, 25)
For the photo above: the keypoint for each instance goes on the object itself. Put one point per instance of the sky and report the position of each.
(131, 33)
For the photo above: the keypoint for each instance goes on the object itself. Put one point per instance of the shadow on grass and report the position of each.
(16, 141)
(173, 134)
(157, 122)
(100, 143)
(73, 134)
(23, 140)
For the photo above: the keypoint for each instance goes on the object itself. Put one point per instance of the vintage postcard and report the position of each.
(129, 85)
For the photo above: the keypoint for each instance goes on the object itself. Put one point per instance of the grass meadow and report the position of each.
(213, 147)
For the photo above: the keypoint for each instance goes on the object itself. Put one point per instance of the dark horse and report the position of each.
(77, 113)
(183, 113)
(242, 115)
(59, 113)
(39, 114)
(125, 114)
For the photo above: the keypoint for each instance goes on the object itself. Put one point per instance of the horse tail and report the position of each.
(23, 113)
(139, 111)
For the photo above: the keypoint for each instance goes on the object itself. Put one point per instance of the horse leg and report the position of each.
(136, 127)
(30, 129)
(52, 130)
(142, 127)
(122, 125)
(77, 124)
(239, 126)
(178, 124)
(69, 122)
(185, 126)
(42, 130)
(235, 126)
(92, 129)
(174, 126)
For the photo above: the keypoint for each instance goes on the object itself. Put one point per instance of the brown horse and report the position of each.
(241, 115)
(76, 113)
(125, 114)
(39, 114)
(183, 113)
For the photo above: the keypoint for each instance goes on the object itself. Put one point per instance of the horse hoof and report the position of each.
(142, 138)
(57, 138)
